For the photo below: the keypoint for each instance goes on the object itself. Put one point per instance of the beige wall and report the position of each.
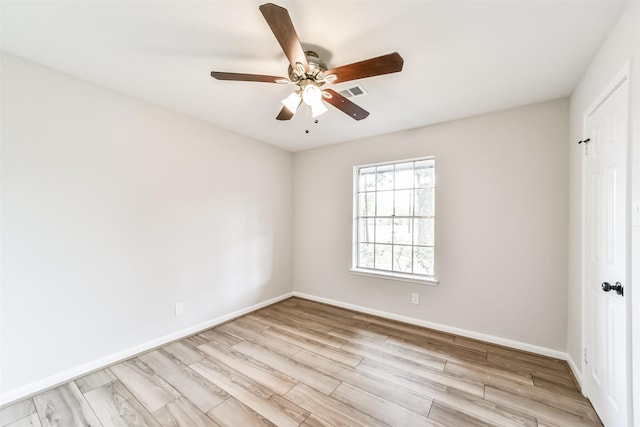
(112, 211)
(501, 224)
(621, 48)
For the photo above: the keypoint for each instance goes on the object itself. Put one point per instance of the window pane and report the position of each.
(383, 257)
(402, 233)
(385, 203)
(395, 217)
(424, 229)
(384, 230)
(365, 255)
(424, 204)
(366, 229)
(423, 260)
(425, 174)
(403, 203)
(367, 179)
(402, 259)
(367, 204)
(385, 177)
(404, 175)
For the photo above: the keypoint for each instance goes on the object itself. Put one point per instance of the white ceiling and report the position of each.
(462, 58)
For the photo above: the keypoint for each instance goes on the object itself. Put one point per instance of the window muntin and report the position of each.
(394, 230)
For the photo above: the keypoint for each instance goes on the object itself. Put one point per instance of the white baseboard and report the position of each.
(576, 372)
(444, 328)
(84, 369)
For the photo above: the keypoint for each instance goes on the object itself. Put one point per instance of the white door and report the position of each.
(606, 257)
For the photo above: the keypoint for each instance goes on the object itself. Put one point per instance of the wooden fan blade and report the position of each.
(280, 23)
(343, 104)
(284, 114)
(386, 64)
(248, 77)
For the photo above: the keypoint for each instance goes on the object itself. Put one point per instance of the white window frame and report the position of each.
(385, 274)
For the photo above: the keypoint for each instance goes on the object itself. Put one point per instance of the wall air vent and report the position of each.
(354, 91)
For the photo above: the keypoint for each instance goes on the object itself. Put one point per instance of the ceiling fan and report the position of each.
(310, 74)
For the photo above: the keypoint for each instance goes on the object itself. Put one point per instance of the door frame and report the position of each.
(624, 75)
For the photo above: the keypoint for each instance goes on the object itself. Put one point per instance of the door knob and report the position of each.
(606, 286)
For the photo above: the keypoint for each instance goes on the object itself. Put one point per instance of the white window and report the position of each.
(394, 220)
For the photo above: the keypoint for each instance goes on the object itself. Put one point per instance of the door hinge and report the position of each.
(586, 361)
(586, 146)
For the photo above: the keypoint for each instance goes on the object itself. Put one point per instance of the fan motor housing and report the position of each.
(316, 67)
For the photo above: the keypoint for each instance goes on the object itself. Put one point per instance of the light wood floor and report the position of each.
(300, 363)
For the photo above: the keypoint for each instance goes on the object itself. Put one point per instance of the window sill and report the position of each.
(395, 276)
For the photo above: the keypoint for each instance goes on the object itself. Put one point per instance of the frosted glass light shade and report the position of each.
(318, 108)
(311, 94)
(292, 102)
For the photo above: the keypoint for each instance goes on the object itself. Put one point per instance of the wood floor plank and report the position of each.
(296, 370)
(64, 405)
(561, 380)
(578, 406)
(182, 413)
(355, 335)
(251, 367)
(252, 394)
(293, 318)
(249, 322)
(420, 374)
(377, 407)
(314, 346)
(533, 366)
(220, 337)
(288, 309)
(95, 380)
(379, 350)
(277, 346)
(112, 404)
(298, 328)
(184, 352)
(337, 321)
(437, 348)
(472, 405)
(473, 343)
(200, 391)
(451, 417)
(313, 421)
(394, 356)
(536, 409)
(308, 305)
(487, 375)
(528, 357)
(514, 354)
(511, 372)
(554, 385)
(28, 421)
(145, 385)
(548, 424)
(329, 408)
(412, 400)
(233, 413)
(405, 329)
(17, 411)
(194, 341)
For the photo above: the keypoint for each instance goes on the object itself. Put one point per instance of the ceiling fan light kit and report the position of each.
(310, 73)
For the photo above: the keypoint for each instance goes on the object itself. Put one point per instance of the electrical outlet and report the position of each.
(179, 309)
(415, 298)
